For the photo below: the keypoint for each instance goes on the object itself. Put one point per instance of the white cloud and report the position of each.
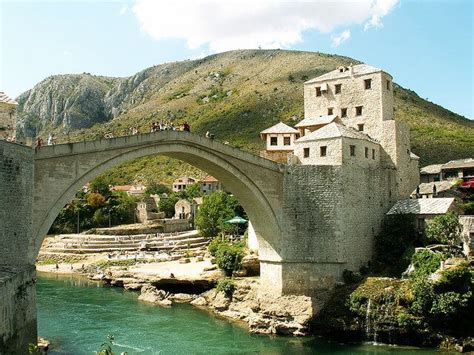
(340, 38)
(123, 10)
(224, 25)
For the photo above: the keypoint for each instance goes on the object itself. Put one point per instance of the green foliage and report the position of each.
(467, 207)
(449, 299)
(444, 229)
(216, 208)
(193, 191)
(226, 285)
(214, 245)
(396, 237)
(95, 199)
(100, 185)
(155, 188)
(425, 263)
(33, 349)
(166, 205)
(229, 258)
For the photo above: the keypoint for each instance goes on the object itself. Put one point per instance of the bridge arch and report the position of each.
(61, 170)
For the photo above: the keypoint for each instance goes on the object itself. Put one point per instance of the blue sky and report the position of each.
(426, 45)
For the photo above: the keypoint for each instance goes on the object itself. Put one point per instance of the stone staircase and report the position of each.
(172, 243)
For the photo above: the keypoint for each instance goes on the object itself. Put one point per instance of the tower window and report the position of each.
(286, 141)
(358, 110)
(330, 111)
(368, 84)
(323, 150)
(373, 154)
(337, 88)
(388, 84)
(344, 112)
(273, 141)
(352, 149)
(318, 91)
(366, 152)
(360, 126)
(306, 152)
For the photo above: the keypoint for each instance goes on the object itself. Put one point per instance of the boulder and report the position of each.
(251, 264)
(200, 301)
(151, 294)
(220, 302)
(182, 297)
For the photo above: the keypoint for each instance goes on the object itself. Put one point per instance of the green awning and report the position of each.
(236, 220)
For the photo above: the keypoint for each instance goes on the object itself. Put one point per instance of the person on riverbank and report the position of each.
(186, 127)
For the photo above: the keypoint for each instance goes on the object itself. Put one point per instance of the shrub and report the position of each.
(229, 258)
(214, 245)
(227, 286)
(444, 229)
(425, 263)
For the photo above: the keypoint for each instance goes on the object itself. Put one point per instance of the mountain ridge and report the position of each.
(234, 94)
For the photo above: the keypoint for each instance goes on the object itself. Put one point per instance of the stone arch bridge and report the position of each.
(312, 222)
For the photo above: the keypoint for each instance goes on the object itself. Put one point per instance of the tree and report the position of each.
(155, 188)
(445, 229)
(166, 205)
(215, 209)
(100, 186)
(96, 200)
(193, 190)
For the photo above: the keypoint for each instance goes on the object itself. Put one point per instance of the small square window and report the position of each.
(366, 152)
(323, 151)
(373, 154)
(343, 112)
(360, 127)
(306, 152)
(337, 88)
(273, 141)
(352, 150)
(286, 141)
(330, 111)
(318, 91)
(368, 84)
(388, 85)
(358, 110)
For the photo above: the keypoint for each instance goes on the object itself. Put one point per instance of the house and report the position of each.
(456, 169)
(131, 190)
(431, 173)
(279, 140)
(182, 182)
(210, 184)
(7, 117)
(436, 189)
(186, 209)
(336, 144)
(423, 208)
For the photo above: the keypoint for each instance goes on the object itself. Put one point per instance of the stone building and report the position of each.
(279, 140)
(452, 170)
(210, 184)
(7, 117)
(147, 211)
(349, 121)
(182, 182)
(423, 209)
(186, 209)
(436, 189)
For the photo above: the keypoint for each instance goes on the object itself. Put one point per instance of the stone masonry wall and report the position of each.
(17, 278)
(16, 198)
(17, 309)
(333, 214)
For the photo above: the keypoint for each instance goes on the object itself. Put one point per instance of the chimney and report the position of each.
(351, 70)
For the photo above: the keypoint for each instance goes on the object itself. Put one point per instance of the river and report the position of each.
(77, 315)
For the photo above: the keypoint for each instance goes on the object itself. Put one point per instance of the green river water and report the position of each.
(76, 316)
